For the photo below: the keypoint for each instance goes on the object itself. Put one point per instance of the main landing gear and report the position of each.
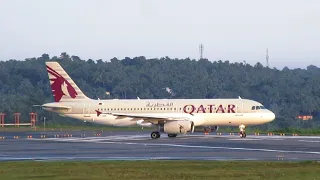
(156, 135)
(242, 131)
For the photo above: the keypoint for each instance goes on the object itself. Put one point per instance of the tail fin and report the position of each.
(62, 86)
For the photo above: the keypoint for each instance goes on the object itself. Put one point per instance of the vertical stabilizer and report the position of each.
(62, 86)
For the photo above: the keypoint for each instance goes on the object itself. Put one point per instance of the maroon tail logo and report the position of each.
(60, 85)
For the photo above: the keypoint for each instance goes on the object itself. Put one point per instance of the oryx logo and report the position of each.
(180, 128)
(60, 86)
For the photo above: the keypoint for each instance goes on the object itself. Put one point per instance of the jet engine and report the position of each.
(177, 127)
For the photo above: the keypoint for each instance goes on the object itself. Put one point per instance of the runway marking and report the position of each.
(245, 139)
(263, 137)
(213, 147)
(288, 137)
(94, 139)
(178, 145)
(308, 141)
(54, 158)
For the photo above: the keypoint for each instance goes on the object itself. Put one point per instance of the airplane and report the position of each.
(169, 116)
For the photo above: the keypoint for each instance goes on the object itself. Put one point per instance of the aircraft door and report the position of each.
(86, 110)
(239, 110)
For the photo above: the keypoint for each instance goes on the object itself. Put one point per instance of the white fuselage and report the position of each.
(203, 112)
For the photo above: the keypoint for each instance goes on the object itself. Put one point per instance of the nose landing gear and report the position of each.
(242, 131)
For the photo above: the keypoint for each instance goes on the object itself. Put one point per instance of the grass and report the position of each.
(160, 170)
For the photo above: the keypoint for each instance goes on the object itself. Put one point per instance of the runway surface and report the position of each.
(139, 146)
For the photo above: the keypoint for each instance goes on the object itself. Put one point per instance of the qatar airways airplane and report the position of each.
(169, 116)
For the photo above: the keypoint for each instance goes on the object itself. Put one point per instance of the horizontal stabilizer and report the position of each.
(53, 106)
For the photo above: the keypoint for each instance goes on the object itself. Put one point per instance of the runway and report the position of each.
(139, 146)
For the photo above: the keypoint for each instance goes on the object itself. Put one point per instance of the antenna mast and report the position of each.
(267, 58)
(201, 51)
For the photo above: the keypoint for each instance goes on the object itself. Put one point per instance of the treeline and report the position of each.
(287, 92)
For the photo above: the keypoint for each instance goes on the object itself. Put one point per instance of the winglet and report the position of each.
(37, 105)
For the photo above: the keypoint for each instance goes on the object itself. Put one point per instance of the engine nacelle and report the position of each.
(177, 127)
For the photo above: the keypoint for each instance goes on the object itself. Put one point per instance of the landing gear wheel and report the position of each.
(243, 135)
(155, 135)
(172, 135)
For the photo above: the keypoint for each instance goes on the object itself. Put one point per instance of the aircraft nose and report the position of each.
(271, 116)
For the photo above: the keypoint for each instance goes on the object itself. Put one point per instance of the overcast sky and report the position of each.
(233, 30)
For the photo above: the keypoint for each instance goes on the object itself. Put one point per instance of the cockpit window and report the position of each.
(257, 107)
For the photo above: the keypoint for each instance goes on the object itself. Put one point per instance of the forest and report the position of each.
(287, 92)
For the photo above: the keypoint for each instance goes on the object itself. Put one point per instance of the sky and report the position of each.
(102, 29)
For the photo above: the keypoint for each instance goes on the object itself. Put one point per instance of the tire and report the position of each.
(155, 135)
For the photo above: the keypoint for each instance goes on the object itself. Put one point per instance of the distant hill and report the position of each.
(286, 92)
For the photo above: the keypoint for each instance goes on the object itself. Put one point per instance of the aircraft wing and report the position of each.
(149, 117)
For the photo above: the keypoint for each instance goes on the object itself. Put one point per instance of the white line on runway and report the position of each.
(213, 147)
(308, 141)
(179, 145)
(95, 139)
(245, 139)
(259, 137)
